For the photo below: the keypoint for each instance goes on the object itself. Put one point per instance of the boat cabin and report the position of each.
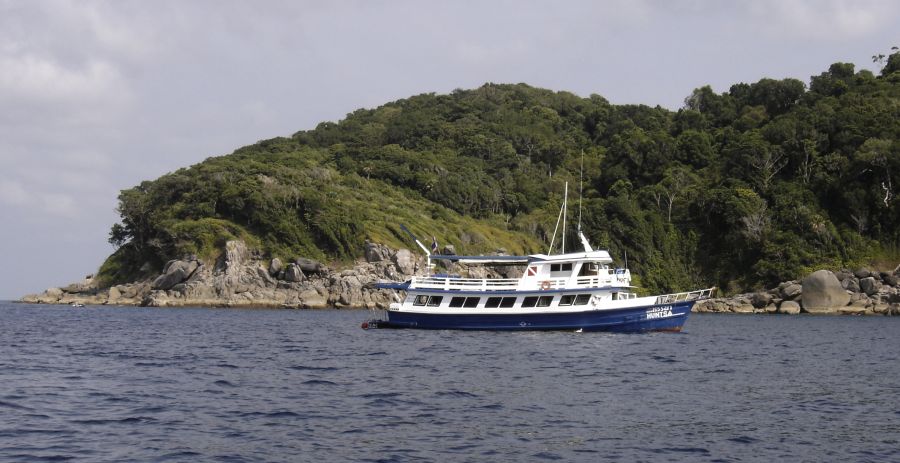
(542, 272)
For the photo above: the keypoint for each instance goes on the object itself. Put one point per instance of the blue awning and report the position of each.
(393, 285)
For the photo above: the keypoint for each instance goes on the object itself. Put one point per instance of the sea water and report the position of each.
(104, 384)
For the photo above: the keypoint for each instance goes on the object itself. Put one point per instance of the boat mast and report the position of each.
(580, 190)
(560, 218)
(565, 206)
(555, 229)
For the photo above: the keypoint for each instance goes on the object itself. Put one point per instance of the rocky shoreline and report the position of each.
(242, 278)
(860, 292)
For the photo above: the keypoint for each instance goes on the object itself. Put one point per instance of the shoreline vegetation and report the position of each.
(756, 187)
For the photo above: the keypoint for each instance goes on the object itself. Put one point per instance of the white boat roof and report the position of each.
(594, 256)
(509, 260)
(598, 256)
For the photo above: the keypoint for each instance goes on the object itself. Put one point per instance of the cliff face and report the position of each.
(241, 278)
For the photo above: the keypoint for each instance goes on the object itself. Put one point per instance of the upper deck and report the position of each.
(566, 271)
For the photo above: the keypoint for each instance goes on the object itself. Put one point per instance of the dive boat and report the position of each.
(580, 291)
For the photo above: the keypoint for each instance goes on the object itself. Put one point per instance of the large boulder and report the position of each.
(822, 293)
(293, 273)
(743, 304)
(264, 276)
(54, 293)
(76, 288)
(275, 266)
(890, 297)
(376, 252)
(175, 272)
(868, 285)
(889, 279)
(760, 299)
(791, 291)
(113, 295)
(405, 261)
(862, 273)
(789, 308)
(851, 284)
(310, 266)
(168, 280)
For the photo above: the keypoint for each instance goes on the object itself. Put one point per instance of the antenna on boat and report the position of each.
(580, 190)
(584, 241)
(565, 206)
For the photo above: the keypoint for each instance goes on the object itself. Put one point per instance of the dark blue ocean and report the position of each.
(104, 384)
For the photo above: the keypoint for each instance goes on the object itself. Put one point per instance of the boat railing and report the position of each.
(604, 280)
(686, 296)
(484, 284)
(512, 284)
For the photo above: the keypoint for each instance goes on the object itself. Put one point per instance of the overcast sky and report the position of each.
(98, 96)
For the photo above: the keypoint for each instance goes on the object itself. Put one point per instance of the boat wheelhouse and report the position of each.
(581, 291)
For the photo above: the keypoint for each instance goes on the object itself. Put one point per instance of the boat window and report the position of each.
(588, 269)
(421, 300)
(471, 302)
(530, 301)
(561, 267)
(508, 302)
(435, 301)
(492, 302)
(567, 299)
(582, 299)
(457, 301)
(545, 301)
(615, 296)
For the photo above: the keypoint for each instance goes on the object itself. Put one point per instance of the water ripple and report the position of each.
(109, 385)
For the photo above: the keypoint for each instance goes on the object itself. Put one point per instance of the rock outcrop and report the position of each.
(860, 292)
(239, 278)
(822, 293)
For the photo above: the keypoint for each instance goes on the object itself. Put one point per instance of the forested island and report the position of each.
(745, 189)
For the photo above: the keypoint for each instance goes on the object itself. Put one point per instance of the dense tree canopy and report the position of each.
(744, 188)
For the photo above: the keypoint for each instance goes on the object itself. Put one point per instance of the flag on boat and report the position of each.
(434, 245)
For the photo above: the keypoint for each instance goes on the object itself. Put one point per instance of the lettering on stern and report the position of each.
(663, 311)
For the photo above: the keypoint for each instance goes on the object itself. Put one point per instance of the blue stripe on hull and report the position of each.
(634, 319)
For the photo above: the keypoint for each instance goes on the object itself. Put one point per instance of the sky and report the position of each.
(97, 96)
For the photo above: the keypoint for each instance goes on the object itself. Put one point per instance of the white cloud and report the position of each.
(37, 201)
(59, 205)
(30, 78)
(828, 20)
(13, 193)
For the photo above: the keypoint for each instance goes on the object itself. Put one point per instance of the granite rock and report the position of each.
(822, 293)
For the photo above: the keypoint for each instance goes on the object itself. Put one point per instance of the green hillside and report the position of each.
(749, 187)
